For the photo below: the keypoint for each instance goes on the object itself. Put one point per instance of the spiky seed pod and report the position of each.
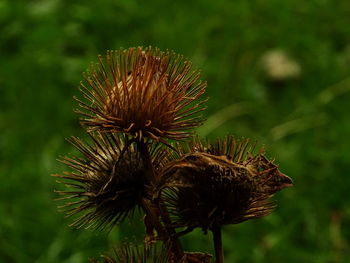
(130, 253)
(201, 191)
(212, 185)
(108, 183)
(143, 92)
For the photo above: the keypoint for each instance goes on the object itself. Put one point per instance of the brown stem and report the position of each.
(153, 216)
(172, 238)
(219, 252)
(146, 158)
(167, 234)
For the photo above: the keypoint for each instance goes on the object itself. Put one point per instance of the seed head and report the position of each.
(108, 183)
(218, 184)
(143, 92)
(130, 253)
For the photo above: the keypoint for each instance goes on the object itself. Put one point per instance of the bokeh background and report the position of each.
(277, 71)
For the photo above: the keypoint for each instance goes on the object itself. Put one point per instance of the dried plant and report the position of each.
(202, 192)
(108, 183)
(142, 92)
(136, 254)
(220, 183)
(138, 107)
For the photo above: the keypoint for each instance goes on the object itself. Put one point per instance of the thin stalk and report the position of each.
(153, 216)
(172, 238)
(219, 252)
(146, 158)
(167, 234)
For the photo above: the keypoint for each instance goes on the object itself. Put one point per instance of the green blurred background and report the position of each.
(277, 71)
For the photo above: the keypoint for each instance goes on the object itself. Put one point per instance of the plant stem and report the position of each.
(167, 234)
(173, 238)
(219, 252)
(146, 158)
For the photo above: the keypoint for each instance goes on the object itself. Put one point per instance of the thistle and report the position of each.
(107, 184)
(222, 183)
(138, 107)
(144, 93)
(129, 253)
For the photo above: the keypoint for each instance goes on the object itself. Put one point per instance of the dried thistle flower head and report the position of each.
(142, 92)
(130, 253)
(204, 192)
(107, 184)
(213, 185)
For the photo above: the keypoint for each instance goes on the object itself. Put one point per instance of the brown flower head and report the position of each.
(142, 92)
(130, 253)
(210, 185)
(108, 183)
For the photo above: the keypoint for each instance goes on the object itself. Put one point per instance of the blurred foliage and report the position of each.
(303, 120)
